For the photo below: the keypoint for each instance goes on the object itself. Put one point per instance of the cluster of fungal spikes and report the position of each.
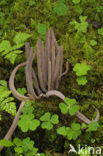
(49, 67)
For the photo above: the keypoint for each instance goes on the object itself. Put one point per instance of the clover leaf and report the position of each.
(93, 126)
(82, 80)
(74, 131)
(25, 146)
(49, 120)
(76, 1)
(41, 28)
(81, 69)
(70, 133)
(82, 26)
(60, 8)
(27, 122)
(69, 106)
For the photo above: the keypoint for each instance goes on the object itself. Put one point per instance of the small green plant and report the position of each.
(82, 26)
(41, 28)
(11, 52)
(76, 1)
(93, 126)
(81, 70)
(22, 91)
(25, 147)
(27, 120)
(7, 103)
(70, 133)
(49, 120)
(60, 8)
(69, 106)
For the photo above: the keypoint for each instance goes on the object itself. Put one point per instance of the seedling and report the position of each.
(27, 120)
(82, 26)
(60, 8)
(81, 70)
(41, 29)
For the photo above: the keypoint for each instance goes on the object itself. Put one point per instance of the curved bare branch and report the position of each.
(12, 86)
(78, 114)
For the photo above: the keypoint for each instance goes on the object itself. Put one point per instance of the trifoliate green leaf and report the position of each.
(47, 125)
(41, 29)
(6, 143)
(27, 122)
(54, 119)
(82, 26)
(45, 117)
(82, 80)
(21, 37)
(81, 69)
(60, 8)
